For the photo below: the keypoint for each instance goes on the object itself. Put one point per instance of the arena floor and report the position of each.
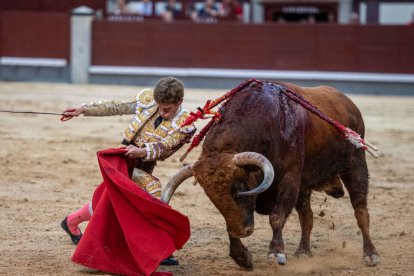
(49, 168)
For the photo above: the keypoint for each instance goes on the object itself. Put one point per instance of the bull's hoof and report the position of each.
(372, 260)
(244, 260)
(279, 257)
(301, 252)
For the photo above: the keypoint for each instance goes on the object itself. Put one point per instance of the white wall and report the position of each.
(395, 13)
(390, 13)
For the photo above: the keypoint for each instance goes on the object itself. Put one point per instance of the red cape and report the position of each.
(130, 231)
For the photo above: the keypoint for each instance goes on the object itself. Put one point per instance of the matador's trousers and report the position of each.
(142, 176)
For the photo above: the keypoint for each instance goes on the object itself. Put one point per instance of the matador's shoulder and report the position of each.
(145, 98)
(180, 119)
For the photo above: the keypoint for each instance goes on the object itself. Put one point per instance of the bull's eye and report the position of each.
(238, 187)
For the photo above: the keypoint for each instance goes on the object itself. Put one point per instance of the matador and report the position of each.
(153, 134)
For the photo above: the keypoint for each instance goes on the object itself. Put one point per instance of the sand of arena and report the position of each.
(49, 168)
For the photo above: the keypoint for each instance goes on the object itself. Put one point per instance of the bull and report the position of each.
(267, 154)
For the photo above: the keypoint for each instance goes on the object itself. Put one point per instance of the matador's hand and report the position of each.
(71, 112)
(135, 152)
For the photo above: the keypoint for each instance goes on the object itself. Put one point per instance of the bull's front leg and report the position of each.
(287, 195)
(240, 254)
(303, 207)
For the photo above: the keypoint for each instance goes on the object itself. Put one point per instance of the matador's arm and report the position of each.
(164, 148)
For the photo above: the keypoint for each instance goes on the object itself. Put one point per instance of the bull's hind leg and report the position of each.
(240, 254)
(288, 190)
(356, 182)
(303, 207)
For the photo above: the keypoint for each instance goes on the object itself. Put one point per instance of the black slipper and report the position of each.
(171, 260)
(75, 238)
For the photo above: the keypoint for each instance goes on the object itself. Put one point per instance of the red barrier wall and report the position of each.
(35, 34)
(1, 34)
(320, 47)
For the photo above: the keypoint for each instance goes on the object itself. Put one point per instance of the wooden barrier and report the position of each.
(1, 34)
(320, 47)
(35, 35)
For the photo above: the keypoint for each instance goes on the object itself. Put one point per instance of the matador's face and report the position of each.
(168, 110)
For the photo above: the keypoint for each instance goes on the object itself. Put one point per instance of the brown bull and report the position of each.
(261, 129)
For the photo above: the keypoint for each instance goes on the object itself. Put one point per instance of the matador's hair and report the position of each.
(168, 90)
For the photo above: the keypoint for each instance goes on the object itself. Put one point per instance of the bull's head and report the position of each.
(230, 185)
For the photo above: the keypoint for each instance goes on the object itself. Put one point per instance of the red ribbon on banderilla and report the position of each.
(350, 135)
(202, 113)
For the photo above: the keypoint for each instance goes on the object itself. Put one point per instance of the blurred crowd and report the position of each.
(212, 11)
(207, 11)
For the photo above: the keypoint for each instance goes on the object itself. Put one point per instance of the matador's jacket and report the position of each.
(160, 142)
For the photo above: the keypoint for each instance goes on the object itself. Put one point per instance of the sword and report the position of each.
(30, 112)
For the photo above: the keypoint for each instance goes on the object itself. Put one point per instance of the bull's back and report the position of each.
(335, 105)
(325, 149)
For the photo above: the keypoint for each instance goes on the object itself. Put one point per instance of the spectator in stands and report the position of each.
(171, 11)
(311, 19)
(231, 9)
(207, 14)
(191, 10)
(331, 18)
(143, 7)
(121, 7)
(281, 20)
(354, 18)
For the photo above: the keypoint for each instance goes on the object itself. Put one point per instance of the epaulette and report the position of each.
(188, 129)
(178, 120)
(145, 98)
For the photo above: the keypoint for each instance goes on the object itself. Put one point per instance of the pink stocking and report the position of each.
(81, 215)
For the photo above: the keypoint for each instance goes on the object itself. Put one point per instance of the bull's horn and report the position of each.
(254, 158)
(175, 181)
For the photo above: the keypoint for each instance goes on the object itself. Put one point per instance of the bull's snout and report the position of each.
(242, 232)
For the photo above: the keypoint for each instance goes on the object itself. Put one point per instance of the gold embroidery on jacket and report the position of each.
(149, 183)
(145, 109)
(160, 142)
